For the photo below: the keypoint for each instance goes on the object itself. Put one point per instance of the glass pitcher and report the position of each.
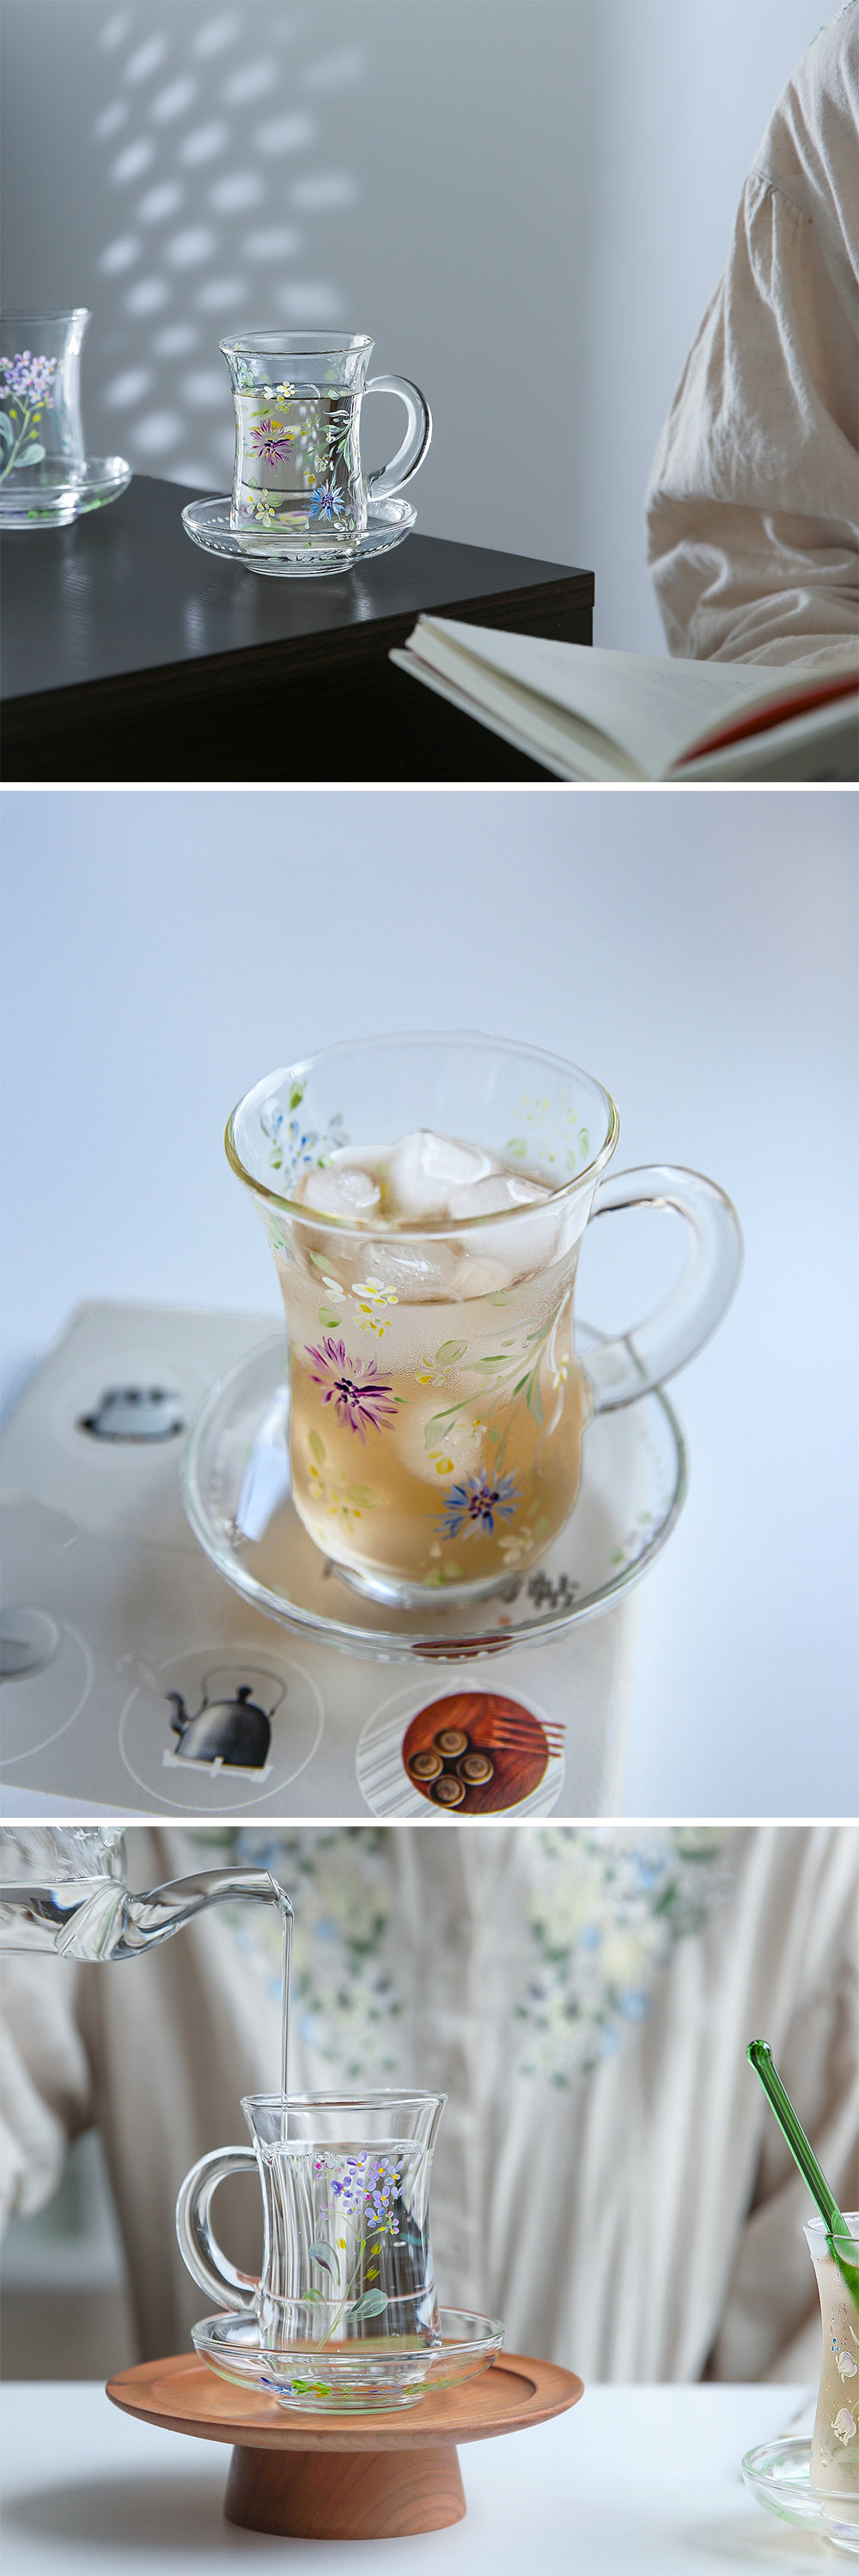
(64, 1889)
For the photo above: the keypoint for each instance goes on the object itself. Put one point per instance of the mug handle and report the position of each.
(390, 478)
(640, 1360)
(198, 2247)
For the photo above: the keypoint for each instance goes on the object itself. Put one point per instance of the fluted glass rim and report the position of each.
(339, 1226)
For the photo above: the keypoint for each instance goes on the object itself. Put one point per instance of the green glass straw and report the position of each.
(760, 2058)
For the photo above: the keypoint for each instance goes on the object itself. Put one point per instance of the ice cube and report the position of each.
(479, 1278)
(491, 1194)
(423, 1168)
(529, 1242)
(342, 1189)
(421, 1273)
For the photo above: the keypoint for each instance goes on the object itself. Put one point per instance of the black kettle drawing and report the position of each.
(229, 1728)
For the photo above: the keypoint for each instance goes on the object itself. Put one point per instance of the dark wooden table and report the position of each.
(129, 654)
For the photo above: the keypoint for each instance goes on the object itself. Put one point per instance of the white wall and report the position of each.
(527, 201)
(696, 949)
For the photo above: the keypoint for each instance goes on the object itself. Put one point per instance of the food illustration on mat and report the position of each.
(476, 1752)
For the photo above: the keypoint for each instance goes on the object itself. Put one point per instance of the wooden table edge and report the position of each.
(213, 674)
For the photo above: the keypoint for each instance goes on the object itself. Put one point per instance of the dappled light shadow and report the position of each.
(222, 206)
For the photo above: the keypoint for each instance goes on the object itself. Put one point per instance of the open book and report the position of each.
(587, 713)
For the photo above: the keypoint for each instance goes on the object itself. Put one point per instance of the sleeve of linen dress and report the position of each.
(47, 2096)
(753, 502)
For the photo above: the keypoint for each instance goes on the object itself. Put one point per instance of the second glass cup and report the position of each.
(297, 398)
(346, 2303)
(425, 1199)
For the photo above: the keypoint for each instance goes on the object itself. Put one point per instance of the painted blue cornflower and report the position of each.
(474, 1502)
(326, 502)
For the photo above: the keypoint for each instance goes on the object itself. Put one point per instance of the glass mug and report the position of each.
(346, 2302)
(437, 1405)
(41, 432)
(835, 2441)
(297, 399)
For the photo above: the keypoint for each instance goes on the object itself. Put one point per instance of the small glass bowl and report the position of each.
(778, 2475)
(351, 2377)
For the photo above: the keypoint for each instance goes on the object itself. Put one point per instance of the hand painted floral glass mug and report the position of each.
(346, 2302)
(835, 2441)
(297, 399)
(41, 434)
(425, 1199)
(46, 477)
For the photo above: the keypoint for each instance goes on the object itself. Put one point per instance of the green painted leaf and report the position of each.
(315, 2299)
(449, 1351)
(373, 2304)
(516, 1145)
(438, 1428)
(326, 2257)
(534, 1399)
(326, 1318)
(33, 454)
(317, 1448)
(498, 1297)
(6, 430)
(296, 1095)
(321, 1260)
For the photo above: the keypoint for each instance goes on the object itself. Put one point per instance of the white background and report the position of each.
(695, 949)
(527, 202)
(122, 2496)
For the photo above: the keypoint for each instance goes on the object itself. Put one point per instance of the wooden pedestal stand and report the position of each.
(358, 2477)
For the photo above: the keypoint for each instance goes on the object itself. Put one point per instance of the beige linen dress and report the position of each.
(608, 2177)
(753, 501)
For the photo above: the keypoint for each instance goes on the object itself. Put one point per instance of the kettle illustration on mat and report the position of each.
(230, 1727)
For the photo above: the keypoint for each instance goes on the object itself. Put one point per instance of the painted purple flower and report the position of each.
(271, 441)
(352, 1386)
(473, 1504)
(26, 378)
(326, 502)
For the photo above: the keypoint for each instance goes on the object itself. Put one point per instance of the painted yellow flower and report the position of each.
(371, 1296)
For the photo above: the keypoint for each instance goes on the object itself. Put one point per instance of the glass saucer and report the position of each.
(238, 1498)
(307, 2379)
(778, 2475)
(68, 494)
(208, 524)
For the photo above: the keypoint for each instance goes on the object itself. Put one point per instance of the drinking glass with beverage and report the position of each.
(425, 1199)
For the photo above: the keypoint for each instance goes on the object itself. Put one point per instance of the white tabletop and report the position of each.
(633, 2482)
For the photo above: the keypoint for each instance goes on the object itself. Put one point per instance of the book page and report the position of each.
(531, 723)
(655, 709)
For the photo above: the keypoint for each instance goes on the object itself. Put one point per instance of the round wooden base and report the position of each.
(341, 2477)
(344, 2495)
